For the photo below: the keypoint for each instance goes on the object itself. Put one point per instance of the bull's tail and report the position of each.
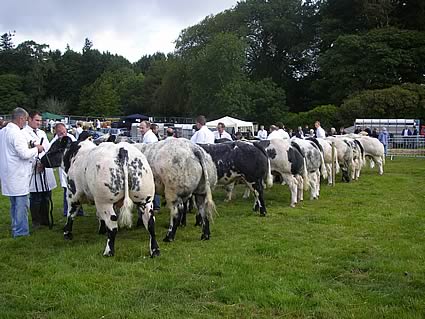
(337, 167)
(125, 217)
(362, 153)
(269, 177)
(323, 170)
(209, 202)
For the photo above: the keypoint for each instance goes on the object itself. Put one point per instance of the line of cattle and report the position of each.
(117, 176)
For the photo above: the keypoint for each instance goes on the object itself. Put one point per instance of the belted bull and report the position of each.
(242, 160)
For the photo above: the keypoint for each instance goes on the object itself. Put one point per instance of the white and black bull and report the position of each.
(350, 155)
(243, 160)
(287, 162)
(111, 176)
(326, 147)
(315, 163)
(373, 151)
(182, 169)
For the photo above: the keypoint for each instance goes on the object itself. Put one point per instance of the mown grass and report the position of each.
(358, 252)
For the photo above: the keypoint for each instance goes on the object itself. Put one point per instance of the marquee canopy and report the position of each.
(237, 124)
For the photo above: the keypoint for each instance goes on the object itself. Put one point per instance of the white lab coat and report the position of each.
(62, 174)
(15, 161)
(40, 182)
(203, 136)
(262, 134)
(149, 137)
(218, 136)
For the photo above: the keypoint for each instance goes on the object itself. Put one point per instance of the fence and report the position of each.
(412, 146)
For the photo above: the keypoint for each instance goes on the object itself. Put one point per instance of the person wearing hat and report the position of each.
(383, 137)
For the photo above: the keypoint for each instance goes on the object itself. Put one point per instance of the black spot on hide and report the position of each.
(114, 218)
(271, 153)
(297, 161)
(71, 186)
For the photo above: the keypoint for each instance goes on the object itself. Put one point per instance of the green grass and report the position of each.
(358, 252)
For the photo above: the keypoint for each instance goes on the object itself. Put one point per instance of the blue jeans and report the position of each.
(19, 215)
(156, 202)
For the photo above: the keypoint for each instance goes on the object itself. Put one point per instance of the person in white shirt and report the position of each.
(274, 134)
(203, 135)
(149, 137)
(221, 133)
(42, 179)
(78, 130)
(262, 133)
(61, 131)
(97, 125)
(320, 132)
(281, 131)
(15, 169)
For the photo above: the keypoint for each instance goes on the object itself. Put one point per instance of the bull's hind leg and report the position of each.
(174, 220)
(201, 202)
(148, 218)
(259, 197)
(72, 212)
(292, 183)
(108, 215)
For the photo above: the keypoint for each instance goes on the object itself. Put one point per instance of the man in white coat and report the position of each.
(149, 137)
(61, 131)
(221, 133)
(42, 179)
(320, 132)
(203, 135)
(15, 169)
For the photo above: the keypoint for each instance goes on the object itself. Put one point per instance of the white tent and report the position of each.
(238, 125)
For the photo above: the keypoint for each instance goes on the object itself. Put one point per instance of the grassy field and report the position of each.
(358, 252)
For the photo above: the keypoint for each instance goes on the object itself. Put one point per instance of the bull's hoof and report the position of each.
(155, 253)
(168, 239)
(205, 237)
(263, 213)
(67, 236)
(293, 205)
(108, 253)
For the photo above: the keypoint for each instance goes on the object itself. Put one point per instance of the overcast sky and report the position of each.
(129, 28)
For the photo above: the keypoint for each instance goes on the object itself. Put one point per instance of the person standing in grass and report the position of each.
(203, 135)
(149, 137)
(61, 131)
(15, 169)
(42, 179)
(383, 137)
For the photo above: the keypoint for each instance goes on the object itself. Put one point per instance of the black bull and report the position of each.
(238, 159)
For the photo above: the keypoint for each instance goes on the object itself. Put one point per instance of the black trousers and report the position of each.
(40, 207)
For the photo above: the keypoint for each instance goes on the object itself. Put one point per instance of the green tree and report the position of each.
(400, 101)
(100, 98)
(11, 93)
(6, 43)
(215, 66)
(173, 93)
(378, 59)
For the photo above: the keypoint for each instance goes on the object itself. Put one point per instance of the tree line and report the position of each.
(263, 60)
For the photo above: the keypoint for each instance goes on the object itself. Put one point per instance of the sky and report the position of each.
(129, 28)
